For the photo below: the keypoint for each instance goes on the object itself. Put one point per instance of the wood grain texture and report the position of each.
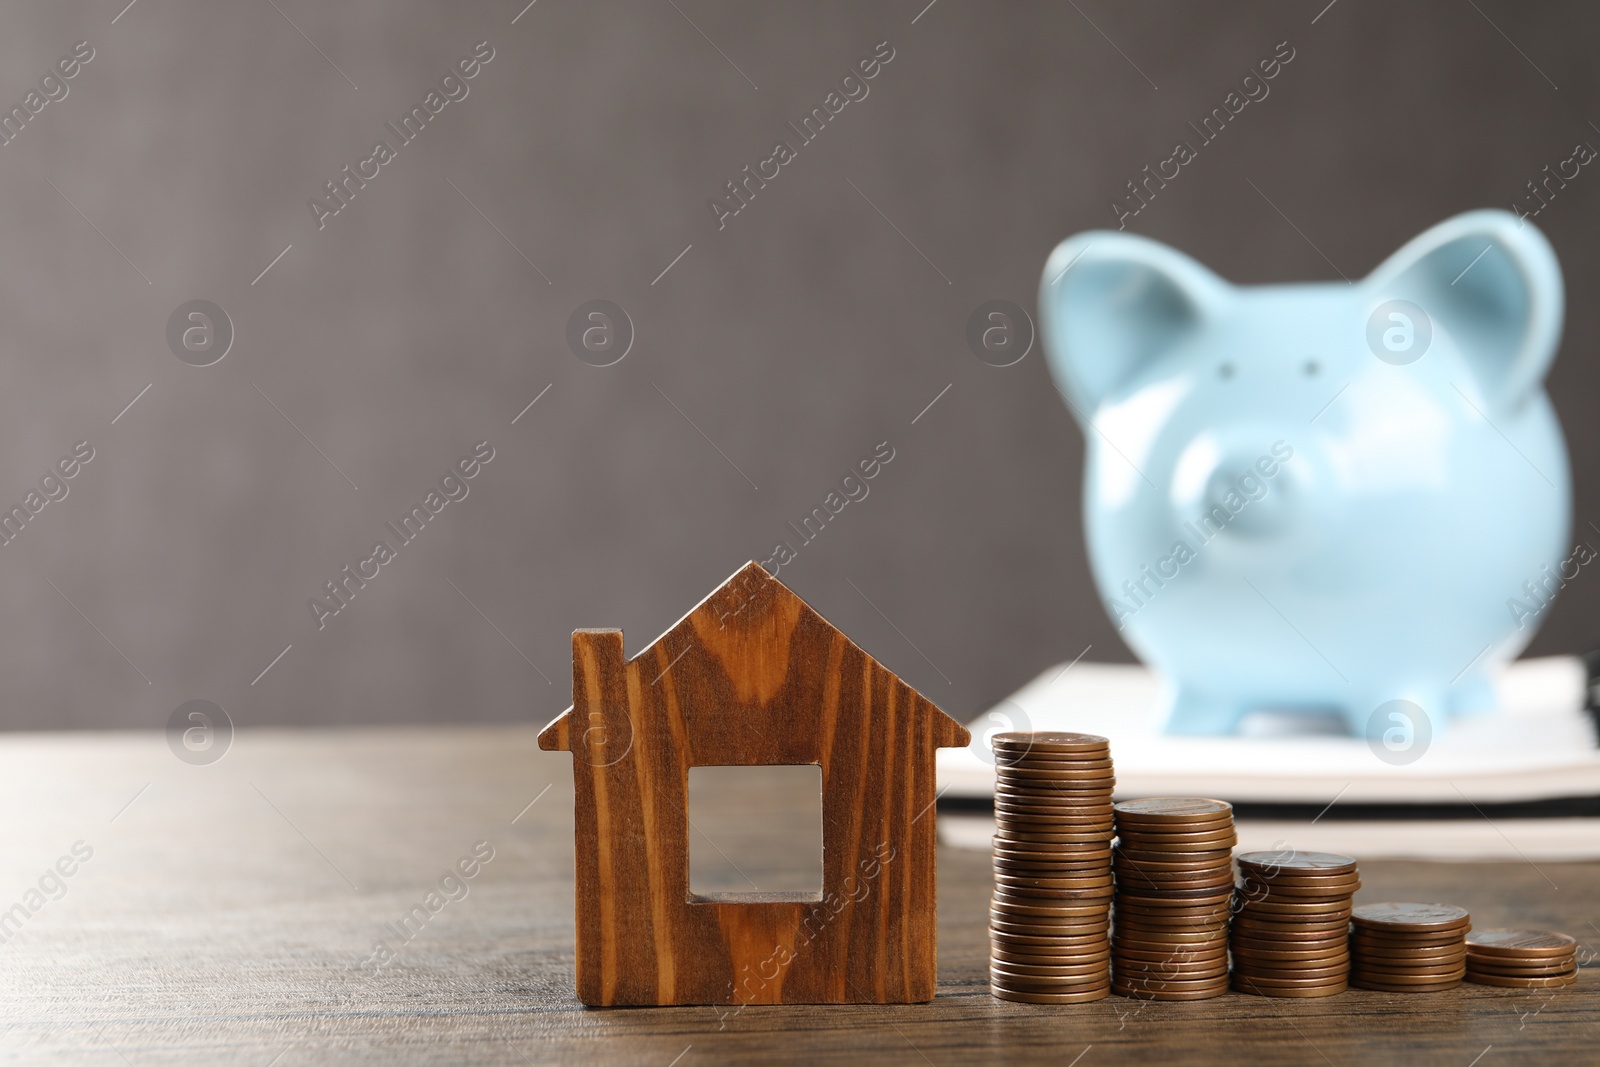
(207, 929)
(751, 677)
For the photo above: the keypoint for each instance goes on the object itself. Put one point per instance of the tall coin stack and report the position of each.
(1530, 959)
(1174, 871)
(1409, 948)
(1050, 915)
(1291, 923)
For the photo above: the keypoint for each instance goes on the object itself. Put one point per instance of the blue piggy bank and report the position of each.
(1330, 496)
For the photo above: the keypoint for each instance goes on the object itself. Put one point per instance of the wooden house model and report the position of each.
(751, 677)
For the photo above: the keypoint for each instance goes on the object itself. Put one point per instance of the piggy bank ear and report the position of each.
(1492, 283)
(1112, 302)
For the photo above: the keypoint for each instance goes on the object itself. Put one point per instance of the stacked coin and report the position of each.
(1530, 959)
(1049, 919)
(1291, 923)
(1174, 871)
(1409, 948)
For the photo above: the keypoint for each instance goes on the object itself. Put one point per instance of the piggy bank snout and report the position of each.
(1239, 492)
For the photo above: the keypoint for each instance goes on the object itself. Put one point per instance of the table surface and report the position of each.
(229, 912)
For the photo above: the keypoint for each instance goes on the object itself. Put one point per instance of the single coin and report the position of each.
(1031, 944)
(1207, 858)
(1419, 943)
(1281, 953)
(1095, 971)
(1299, 929)
(1088, 761)
(1256, 890)
(1520, 944)
(1177, 851)
(1171, 915)
(1508, 981)
(1133, 993)
(1296, 909)
(1059, 841)
(1523, 970)
(1053, 879)
(1056, 740)
(1421, 954)
(1389, 987)
(1161, 979)
(1411, 918)
(1035, 956)
(1134, 937)
(1137, 927)
(1297, 877)
(1277, 935)
(1164, 808)
(1179, 956)
(1257, 965)
(1156, 904)
(1048, 983)
(999, 927)
(1290, 861)
(1287, 950)
(1404, 977)
(1279, 982)
(1164, 837)
(1331, 971)
(1245, 984)
(1025, 997)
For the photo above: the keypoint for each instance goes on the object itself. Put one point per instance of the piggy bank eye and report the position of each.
(1312, 368)
(1225, 371)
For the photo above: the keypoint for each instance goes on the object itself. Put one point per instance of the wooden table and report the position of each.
(228, 913)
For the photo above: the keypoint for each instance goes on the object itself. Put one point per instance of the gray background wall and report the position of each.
(795, 339)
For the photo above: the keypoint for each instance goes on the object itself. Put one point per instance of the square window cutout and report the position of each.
(755, 833)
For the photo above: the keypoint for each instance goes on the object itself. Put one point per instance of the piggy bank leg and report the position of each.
(1472, 695)
(1193, 713)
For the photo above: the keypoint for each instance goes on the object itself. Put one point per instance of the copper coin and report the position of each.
(1067, 807)
(1140, 938)
(1135, 820)
(1034, 890)
(1255, 890)
(1142, 924)
(1156, 902)
(1285, 950)
(1277, 933)
(1024, 997)
(1280, 953)
(1066, 877)
(1290, 861)
(1296, 909)
(1426, 952)
(1056, 740)
(1168, 985)
(1071, 972)
(1243, 983)
(1392, 968)
(1034, 956)
(1178, 954)
(1295, 877)
(1163, 838)
(1058, 841)
(1162, 809)
(1203, 860)
(1390, 977)
(1063, 774)
(1257, 965)
(1158, 979)
(1176, 848)
(1520, 944)
(1411, 918)
(1295, 974)
(1018, 909)
(1041, 983)
(1026, 944)
(1282, 927)
(1147, 994)
(1359, 936)
(1390, 987)
(1548, 982)
(1085, 760)
(1529, 969)
(1085, 931)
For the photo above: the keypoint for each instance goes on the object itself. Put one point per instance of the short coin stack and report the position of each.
(1174, 870)
(1050, 915)
(1409, 948)
(1528, 959)
(1291, 927)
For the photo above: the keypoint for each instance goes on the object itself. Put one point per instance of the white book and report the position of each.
(1515, 782)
